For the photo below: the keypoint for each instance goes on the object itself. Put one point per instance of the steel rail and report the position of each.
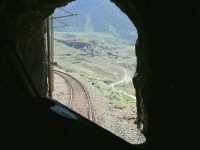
(90, 112)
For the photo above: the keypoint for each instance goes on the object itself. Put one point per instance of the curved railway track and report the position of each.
(79, 98)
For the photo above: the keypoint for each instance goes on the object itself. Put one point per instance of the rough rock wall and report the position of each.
(167, 78)
(23, 29)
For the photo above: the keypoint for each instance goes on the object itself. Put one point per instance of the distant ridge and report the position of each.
(96, 16)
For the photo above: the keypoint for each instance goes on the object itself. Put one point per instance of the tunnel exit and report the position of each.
(92, 62)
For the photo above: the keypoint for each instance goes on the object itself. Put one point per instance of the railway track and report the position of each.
(79, 98)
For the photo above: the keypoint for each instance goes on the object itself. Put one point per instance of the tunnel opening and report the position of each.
(97, 48)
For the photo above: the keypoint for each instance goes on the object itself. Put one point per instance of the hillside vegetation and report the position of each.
(98, 47)
(101, 60)
(96, 16)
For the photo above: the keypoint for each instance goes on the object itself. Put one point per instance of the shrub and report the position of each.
(119, 104)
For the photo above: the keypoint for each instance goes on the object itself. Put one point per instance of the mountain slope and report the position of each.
(96, 16)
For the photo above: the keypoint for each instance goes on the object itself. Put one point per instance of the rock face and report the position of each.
(167, 79)
(23, 30)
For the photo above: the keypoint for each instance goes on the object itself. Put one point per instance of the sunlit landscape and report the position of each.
(99, 50)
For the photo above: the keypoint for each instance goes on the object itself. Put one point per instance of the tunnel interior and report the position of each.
(166, 78)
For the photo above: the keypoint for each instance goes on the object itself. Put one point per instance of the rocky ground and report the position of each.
(112, 119)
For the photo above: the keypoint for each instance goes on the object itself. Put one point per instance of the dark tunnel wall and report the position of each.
(23, 27)
(167, 78)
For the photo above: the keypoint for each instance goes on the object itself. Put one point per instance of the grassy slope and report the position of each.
(98, 58)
